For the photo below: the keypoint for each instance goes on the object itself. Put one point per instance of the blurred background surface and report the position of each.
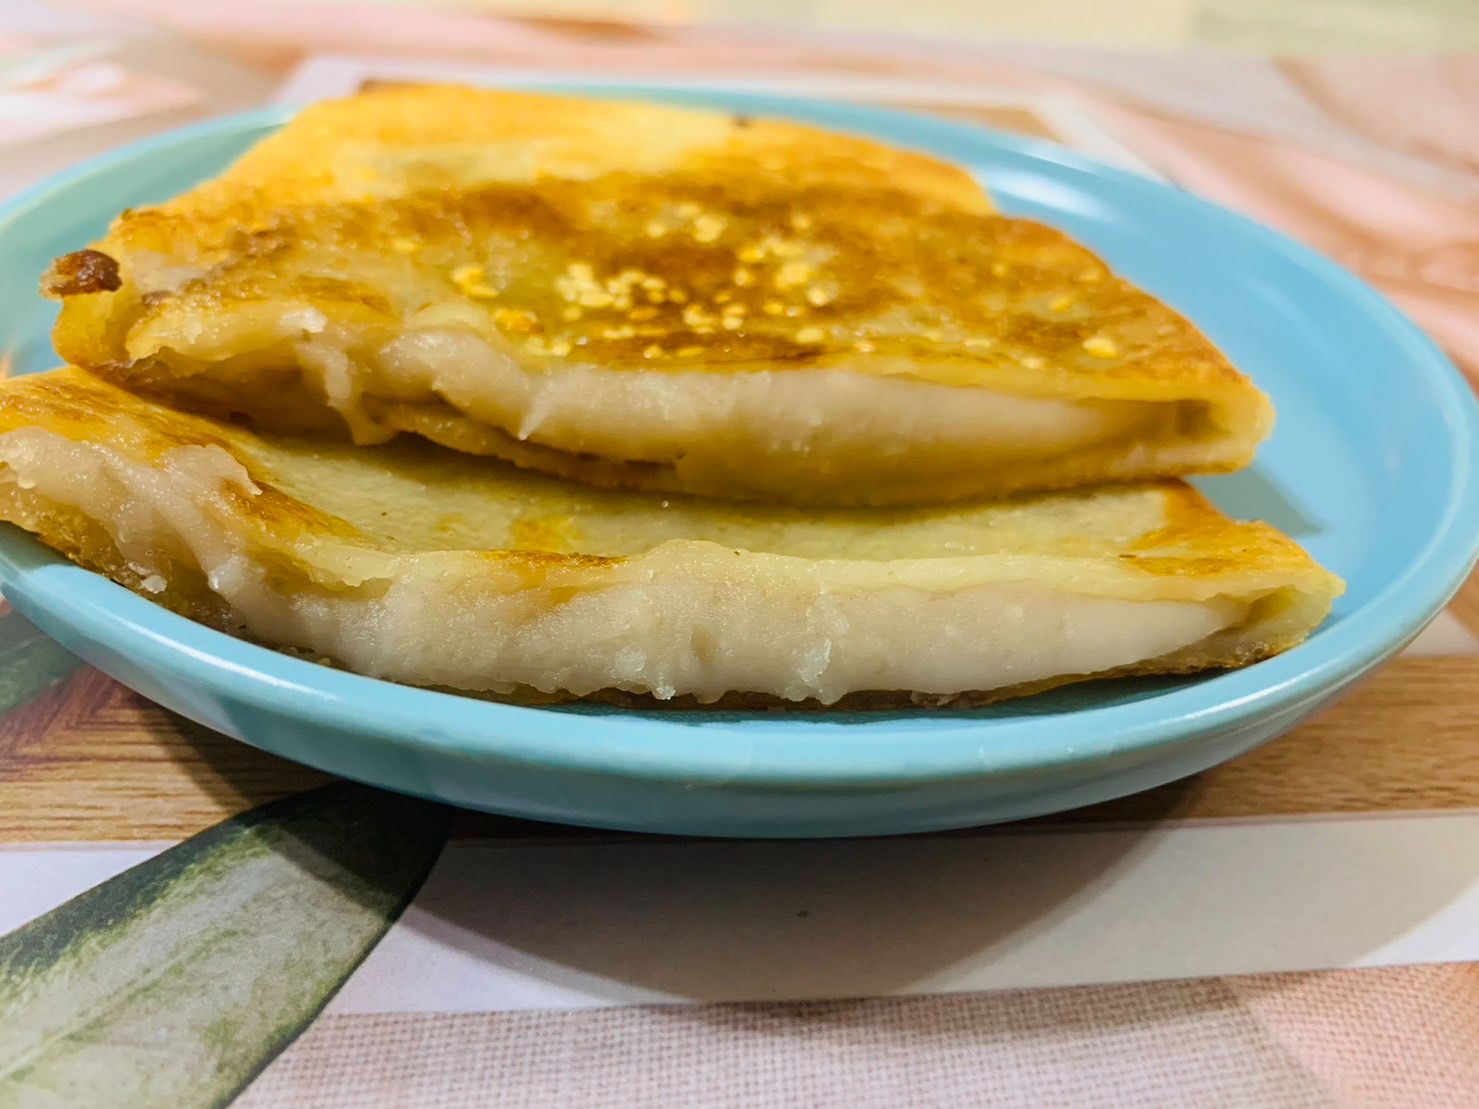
(1302, 26)
(1257, 26)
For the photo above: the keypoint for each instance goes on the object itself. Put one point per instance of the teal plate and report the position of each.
(1372, 468)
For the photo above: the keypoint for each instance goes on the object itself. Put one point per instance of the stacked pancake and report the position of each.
(539, 395)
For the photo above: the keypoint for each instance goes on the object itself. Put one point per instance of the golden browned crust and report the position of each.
(629, 237)
(728, 283)
(413, 137)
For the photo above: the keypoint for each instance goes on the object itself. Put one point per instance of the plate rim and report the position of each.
(736, 752)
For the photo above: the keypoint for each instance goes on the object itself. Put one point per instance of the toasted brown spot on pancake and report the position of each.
(81, 272)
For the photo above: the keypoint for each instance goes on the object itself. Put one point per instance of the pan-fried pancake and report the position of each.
(650, 297)
(418, 564)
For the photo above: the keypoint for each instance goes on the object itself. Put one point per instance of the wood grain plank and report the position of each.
(1465, 606)
(91, 761)
(1404, 740)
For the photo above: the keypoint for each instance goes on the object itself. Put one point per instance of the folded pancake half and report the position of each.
(650, 297)
(418, 564)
